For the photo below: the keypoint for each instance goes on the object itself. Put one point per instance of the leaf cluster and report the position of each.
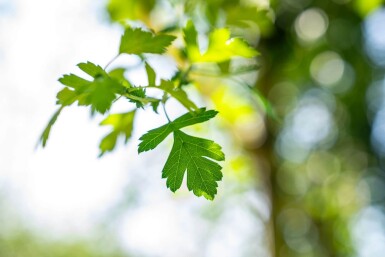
(98, 89)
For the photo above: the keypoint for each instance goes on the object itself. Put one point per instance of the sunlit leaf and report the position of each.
(221, 46)
(66, 97)
(92, 69)
(129, 9)
(118, 75)
(45, 135)
(137, 41)
(98, 93)
(178, 93)
(73, 81)
(141, 94)
(151, 76)
(191, 39)
(122, 124)
(364, 7)
(155, 105)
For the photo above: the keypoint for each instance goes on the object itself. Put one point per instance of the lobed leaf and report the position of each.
(98, 93)
(221, 46)
(179, 94)
(66, 97)
(154, 137)
(137, 41)
(122, 125)
(92, 69)
(73, 81)
(136, 95)
(189, 154)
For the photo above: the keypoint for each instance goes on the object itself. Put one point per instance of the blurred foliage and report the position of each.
(19, 239)
(24, 243)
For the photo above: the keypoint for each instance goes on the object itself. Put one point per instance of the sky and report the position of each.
(39, 41)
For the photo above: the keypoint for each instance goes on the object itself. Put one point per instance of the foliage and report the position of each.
(137, 41)
(105, 88)
(188, 153)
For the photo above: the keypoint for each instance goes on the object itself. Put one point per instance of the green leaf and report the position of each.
(66, 97)
(364, 7)
(224, 66)
(137, 41)
(73, 81)
(221, 46)
(45, 135)
(92, 69)
(190, 153)
(140, 93)
(190, 35)
(118, 75)
(178, 94)
(121, 10)
(122, 124)
(98, 93)
(150, 75)
(155, 105)
(154, 137)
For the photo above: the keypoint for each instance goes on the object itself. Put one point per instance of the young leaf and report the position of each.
(99, 93)
(178, 94)
(92, 69)
(221, 47)
(122, 10)
(155, 105)
(118, 75)
(73, 81)
(190, 35)
(122, 124)
(66, 97)
(154, 137)
(45, 135)
(137, 41)
(140, 93)
(150, 75)
(189, 153)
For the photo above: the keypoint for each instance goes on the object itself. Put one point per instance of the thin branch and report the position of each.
(165, 112)
(112, 60)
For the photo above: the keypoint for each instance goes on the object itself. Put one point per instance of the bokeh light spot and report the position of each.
(311, 25)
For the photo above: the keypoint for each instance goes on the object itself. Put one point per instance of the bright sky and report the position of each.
(39, 41)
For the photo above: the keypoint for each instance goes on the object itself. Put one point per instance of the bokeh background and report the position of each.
(303, 133)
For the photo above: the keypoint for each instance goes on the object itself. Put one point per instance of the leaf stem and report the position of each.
(117, 98)
(165, 112)
(144, 100)
(111, 61)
